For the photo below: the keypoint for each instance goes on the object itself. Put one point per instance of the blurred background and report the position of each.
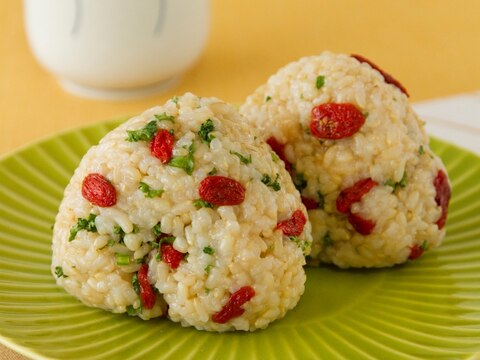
(432, 46)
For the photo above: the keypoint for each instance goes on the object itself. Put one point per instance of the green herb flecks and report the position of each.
(268, 98)
(275, 157)
(148, 191)
(167, 239)
(117, 230)
(299, 181)
(199, 203)
(87, 224)
(320, 81)
(59, 272)
(421, 150)
(175, 100)
(145, 134)
(122, 259)
(134, 311)
(207, 291)
(185, 162)
(209, 250)
(321, 200)
(424, 246)
(205, 131)
(243, 159)
(399, 184)
(164, 117)
(135, 283)
(327, 240)
(212, 172)
(303, 245)
(208, 268)
(268, 181)
(157, 229)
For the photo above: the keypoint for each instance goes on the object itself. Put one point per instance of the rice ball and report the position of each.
(376, 194)
(184, 207)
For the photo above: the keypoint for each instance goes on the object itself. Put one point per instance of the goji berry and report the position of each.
(415, 252)
(279, 149)
(147, 295)
(309, 203)
(354, 194)
(98, 190)
(162, 145)
(361, 225)
(442, 196)
(171, 256)
(221, 190)
(233, 308)
(294, 225)
(389, 79)
(335, 121)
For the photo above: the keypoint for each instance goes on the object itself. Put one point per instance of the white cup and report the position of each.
(116, 48)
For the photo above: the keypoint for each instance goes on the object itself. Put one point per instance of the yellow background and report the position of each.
(431, 46)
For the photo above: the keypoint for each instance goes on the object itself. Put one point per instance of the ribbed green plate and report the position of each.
(429, 308)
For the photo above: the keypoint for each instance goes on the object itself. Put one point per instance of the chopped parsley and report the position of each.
(205, 131)
(396, 185)
(268, 181)
(135, 283)
(185, 162)
(243, 159)
(302, 245)
(321, 200)
(87, 224)
(300, 181)
(275, 157)
(327, 240)
(212, 172)
(157, 229)
(110, 243)
(59, 272)
(268, 98)
(145, 134)
(365, 114)
(199, 203)
(117, 230)
(175, 100)
(164, 117)
(320, 81)
(132, 311)
(208, 268)
(167, 239)
(209, 250)
(122, 259)
(421, 150)
(148, 191)
(207, 291)
(424, 246)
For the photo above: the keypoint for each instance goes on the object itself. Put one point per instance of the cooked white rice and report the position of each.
(392, 142)
(245, 248)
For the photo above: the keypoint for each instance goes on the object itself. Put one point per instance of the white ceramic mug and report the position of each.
(116, 48)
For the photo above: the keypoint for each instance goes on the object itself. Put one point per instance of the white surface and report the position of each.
(454, 118)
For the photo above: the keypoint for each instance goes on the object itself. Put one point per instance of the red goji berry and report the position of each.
(294, 225)
(221, 190)
(98, 190)
(354, 194)
(171, 256)
(415, 252)
(389, 79)
(309, 203)
(232, 308)
(442, 196)
(147, 295)
(335, 121)
(361, 225)
(162, 145)
(279, 149)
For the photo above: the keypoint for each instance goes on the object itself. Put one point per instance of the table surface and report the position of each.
(430, 45)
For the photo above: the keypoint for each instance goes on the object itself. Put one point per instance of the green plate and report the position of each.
(429, 308)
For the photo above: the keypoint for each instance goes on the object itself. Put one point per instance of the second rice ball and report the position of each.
(376, 194)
